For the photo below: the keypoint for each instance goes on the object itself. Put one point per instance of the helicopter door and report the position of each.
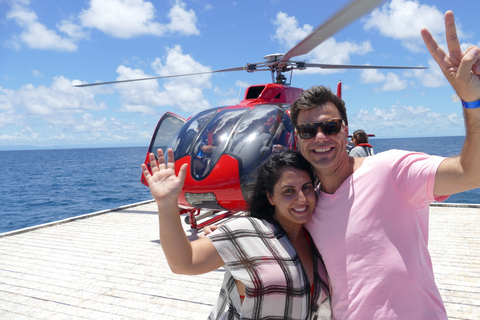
(167, 127)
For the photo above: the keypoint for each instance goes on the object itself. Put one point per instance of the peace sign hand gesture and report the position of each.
(164, 184)
(462, 69)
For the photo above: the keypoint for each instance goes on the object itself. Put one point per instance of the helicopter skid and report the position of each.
(194, 215)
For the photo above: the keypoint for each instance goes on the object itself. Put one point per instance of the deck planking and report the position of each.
(109, 265)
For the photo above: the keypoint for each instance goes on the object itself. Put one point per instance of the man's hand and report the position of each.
(462, 69)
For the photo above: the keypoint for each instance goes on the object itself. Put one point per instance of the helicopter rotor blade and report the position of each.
(280, 63)
(353, 11)
(161, 77)
(353, 66)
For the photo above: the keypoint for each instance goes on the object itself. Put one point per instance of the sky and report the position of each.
(49, 46)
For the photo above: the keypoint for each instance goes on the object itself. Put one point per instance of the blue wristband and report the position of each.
(471, 105)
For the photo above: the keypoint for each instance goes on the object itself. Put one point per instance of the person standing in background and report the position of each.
(362, 147)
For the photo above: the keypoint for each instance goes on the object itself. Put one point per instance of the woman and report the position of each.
(272, 268)
(362, 147)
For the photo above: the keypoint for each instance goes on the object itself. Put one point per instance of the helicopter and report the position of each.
(224, 145)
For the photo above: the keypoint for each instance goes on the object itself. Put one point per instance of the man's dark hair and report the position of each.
(315, 97)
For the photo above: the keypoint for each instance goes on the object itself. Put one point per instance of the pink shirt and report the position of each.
(373, 234)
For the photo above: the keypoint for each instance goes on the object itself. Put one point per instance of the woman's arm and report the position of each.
(183, 256)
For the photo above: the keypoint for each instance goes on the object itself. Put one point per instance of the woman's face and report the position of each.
(293, 197)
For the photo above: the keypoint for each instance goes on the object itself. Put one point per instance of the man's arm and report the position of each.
(462, 70)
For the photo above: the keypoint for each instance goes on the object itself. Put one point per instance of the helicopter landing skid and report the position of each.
(194, 215)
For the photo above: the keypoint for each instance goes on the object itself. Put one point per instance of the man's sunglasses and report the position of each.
(329, 128)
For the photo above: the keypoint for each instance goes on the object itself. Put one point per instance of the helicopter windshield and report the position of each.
(249, 135)
(264, 130)
(213, 140)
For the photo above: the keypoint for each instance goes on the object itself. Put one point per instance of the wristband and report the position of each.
(471, 105)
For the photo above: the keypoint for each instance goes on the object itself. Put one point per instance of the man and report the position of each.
(371, 219)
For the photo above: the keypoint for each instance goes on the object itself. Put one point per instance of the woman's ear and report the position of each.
(270, 198)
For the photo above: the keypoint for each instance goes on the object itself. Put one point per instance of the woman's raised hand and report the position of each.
(164, 184)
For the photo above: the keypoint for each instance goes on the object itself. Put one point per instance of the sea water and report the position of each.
(441, 146)
(40, 186)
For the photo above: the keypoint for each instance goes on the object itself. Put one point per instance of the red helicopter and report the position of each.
(224, 145)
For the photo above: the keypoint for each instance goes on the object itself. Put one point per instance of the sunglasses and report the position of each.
(329, 128)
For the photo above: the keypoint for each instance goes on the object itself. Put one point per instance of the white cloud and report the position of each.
(224, 92)
(59, 114)
(54, 104)
(391, 81)
(137, 96)
(36, 73)
(403, 19)
(184, 93)
(89, 124)
(72, 29)
(431, 77)
(242, 84)
(118, 18)
(177, 63)
(372, 76)
(182, 21)
(289, 33)
(231, 96)
(229, 101)
(9, 117)
(35, 34)
(405, 121)
(456, 98)
(24, 135)
(6, 99)
(60, 97)
(130, 18)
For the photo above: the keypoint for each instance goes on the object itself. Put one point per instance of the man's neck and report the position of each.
(332, 180)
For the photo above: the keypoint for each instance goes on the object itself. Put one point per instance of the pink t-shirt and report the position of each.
(373, 235)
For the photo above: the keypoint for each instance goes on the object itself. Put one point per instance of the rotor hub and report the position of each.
(274, 57)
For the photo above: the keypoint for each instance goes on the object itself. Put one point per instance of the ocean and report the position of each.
(41, 186)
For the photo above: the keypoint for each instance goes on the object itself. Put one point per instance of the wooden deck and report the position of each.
(109, 265)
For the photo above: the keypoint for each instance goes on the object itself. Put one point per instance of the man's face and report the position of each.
(324, 152)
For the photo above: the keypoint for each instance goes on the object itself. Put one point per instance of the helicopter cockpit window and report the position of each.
(187, 135)
(263, 131)
(213, 140)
